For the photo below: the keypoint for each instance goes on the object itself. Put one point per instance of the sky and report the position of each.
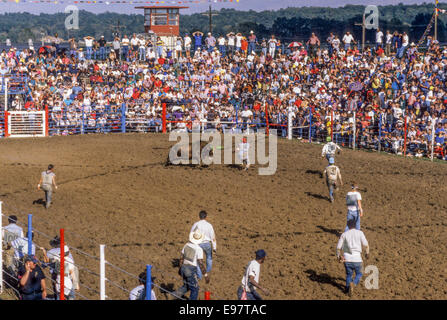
(257, 5)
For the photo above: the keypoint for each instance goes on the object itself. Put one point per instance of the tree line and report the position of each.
(287, 24)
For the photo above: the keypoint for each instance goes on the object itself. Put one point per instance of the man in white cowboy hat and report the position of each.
(192, 256)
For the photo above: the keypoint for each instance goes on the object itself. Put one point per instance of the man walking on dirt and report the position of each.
(191, 258)
(332, 174)
(351, 243)
(209, 241)
(243, 150)
(354, 204)
(329, 149)
(250, 280)
(47, 180)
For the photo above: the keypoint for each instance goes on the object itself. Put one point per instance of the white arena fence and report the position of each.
(302, 125)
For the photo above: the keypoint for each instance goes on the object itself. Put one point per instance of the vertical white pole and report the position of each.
(432, 138)
(289, 125)
(1, 249)
(102, 273)
(355, 128)
(6, 94)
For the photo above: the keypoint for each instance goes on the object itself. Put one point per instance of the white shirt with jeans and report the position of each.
(253, 269)
(351, 243)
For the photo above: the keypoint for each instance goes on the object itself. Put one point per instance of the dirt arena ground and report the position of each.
(115, 190)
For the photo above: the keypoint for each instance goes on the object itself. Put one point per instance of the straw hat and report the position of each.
(196, 237)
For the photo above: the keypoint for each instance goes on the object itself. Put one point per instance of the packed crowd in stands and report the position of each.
(236, 79)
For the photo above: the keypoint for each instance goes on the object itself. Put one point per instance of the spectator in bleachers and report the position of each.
(71, 274)
(32, 284)
(139, 292)
(90, 96)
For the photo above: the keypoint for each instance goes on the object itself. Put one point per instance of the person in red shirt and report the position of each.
(244, 46)
(158, 83)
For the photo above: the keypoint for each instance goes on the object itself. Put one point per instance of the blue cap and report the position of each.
(260, 254)
(331, 160)
(31, 258)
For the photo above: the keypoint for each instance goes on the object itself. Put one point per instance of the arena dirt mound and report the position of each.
(116, 190)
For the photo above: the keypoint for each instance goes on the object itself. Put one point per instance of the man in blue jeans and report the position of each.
(191, 258)
(209, 240)
(250, 280)
(354, 204)
(351, 243)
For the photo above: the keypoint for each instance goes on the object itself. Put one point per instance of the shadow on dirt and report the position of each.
(324, 278)
(317, 196)
(316, 172)
(335, 232)
(39, 201)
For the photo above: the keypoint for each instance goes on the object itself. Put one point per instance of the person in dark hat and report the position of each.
(31, 280)
(139, 292)
(250, 280)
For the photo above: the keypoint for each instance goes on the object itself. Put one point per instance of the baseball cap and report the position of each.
(30, 258)
(260, 254)
(331, 160)
(328, 139)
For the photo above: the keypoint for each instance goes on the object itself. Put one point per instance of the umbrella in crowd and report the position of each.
(295, 44)
(47, 49)
(356, 86)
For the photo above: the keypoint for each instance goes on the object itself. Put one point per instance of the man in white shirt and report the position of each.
(329, 149)
(209, 240)
(405, 42)
(231, 42)
(221, 42)
(141, 49)
(243, 153)
(191, 258)
(250, 280)
(272, 46)
(12, 231)
(351, 243)
(89, 45)
(388, 39)
(187, 41)
(347, 39)
(379, 39)
(354, 204)
(71, 275)
(20, 246)
(139, 292)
